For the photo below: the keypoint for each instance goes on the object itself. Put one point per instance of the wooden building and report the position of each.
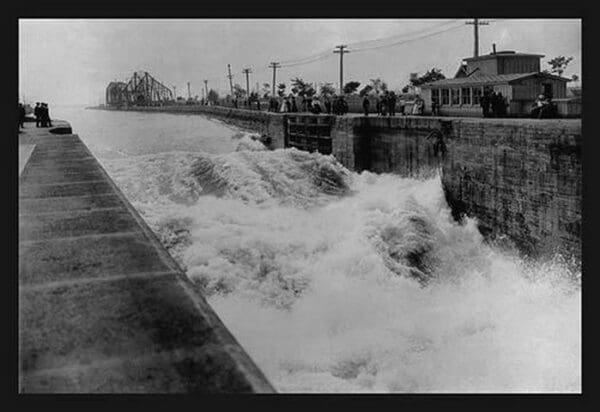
(516, 75)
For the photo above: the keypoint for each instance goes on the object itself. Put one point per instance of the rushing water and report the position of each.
(341, 282)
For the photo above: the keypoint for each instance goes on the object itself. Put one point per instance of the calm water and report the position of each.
(335, 281)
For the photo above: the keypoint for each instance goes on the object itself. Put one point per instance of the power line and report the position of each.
(402, 35)
(409, 40)
(315, 57)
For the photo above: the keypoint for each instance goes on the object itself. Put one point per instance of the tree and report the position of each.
(559, 64)
(378, 85)
(213, 96)
(238, 91)
(351, 87)
(429, 76)
(574, 78)
(281, 89)
(266, 90)
(405, 89)
(365, 90)
(303, 88)
(327, 89)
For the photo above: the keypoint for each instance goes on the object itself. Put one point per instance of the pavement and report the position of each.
(103, 307)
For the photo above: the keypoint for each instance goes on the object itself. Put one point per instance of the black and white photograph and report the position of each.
(300, 205)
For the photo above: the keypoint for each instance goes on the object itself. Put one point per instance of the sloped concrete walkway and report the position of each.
(102, 306)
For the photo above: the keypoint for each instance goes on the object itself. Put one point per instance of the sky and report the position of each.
(71, 61)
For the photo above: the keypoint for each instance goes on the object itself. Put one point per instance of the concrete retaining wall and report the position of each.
(518, 177)
(103, 307)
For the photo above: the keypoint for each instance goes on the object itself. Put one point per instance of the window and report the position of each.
(455, 96)
(466, 95)
(445, 96)
(477, 93)
(435, 96)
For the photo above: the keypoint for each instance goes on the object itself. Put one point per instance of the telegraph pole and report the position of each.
(206, 87)
(189, 93)
(247, 71)
(476, 23)
(274, 66)
(230, 77)
(341, 51)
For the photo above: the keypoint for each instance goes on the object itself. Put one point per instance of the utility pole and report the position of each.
(247, 71)
(175, 92)
(230, 77)
(476, 23)
(341, 51)
(189, 93)
(274, 66)
(206, 87)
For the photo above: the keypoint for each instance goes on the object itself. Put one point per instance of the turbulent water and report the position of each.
(335, 281)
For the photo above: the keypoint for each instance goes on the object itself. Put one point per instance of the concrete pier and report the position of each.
(102, 305)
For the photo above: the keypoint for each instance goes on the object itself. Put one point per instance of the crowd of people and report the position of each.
(493, 104)
(42, 115)
(385, 104)
(289, 104)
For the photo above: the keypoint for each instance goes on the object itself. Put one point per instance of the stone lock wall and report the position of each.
(519, 178)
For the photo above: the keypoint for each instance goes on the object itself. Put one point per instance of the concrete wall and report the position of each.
(103, 307)
(518, 177)
(521, 178)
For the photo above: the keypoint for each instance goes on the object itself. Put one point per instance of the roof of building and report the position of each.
(506, 53)
(483, 79)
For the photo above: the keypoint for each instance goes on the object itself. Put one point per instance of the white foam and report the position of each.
(318, 289)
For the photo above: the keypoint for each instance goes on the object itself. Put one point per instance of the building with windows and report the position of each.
(516, 75)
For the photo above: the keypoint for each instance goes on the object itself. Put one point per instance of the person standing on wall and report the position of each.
(38, 115)
(502, 106)
(47, 115)
(327, 104)
(392, 103)
(21, 116)
(365, 104)
(485, 103)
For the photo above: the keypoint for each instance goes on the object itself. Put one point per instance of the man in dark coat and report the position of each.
(294, 107)
(343, 105)
(501, 103)
(365, 104)
(46, 122)
(485, 103)
(327, 104)
(21, 116)
(494, 104)
(392, 103)
(38, 114)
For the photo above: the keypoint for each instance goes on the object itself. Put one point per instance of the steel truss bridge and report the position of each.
(142, 90)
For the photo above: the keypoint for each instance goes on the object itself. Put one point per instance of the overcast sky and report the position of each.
(71, 61)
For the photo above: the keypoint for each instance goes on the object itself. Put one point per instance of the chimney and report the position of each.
(494, 48)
